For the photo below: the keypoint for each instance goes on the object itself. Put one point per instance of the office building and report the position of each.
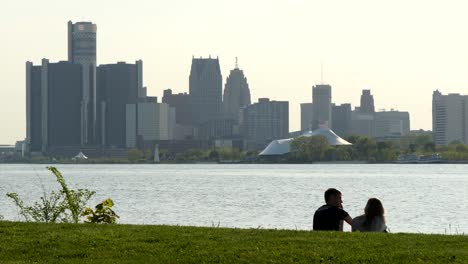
(82, 50)
(322, 108)
(181, 103)
(236, 94)
(306, 116)
(363, 117)
(341, 119)
(205, 89)
(53, 114)
(264, 121)
(391, 123)
(118, 85)
(149, 122)
(449, 118)
(367, 102)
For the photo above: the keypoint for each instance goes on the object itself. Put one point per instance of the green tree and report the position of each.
(135, 155)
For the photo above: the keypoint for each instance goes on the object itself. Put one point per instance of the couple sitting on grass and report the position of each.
(330, 216)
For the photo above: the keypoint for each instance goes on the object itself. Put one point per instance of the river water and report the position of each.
(417, 198)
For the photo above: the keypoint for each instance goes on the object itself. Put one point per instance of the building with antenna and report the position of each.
(236, 93)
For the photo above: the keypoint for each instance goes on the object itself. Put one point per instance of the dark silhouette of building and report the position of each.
(33, 107)
(56, 94)
(218, 129)
(82, 50)
(118, 85)
(306, 116)
(341, 121)
(322, 112)
(264, 121)
(367, 102)
(236, 94)
(181, 103)
(205, 89)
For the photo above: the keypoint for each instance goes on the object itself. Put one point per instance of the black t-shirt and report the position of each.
(328, 218)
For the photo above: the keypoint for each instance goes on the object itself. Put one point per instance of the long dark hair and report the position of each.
(373, 208)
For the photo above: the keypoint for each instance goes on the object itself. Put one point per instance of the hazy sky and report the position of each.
(401, 50)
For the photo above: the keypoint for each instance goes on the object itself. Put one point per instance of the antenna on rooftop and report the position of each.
(321, 72)
(237, 65)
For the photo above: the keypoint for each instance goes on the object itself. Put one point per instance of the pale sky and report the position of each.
(402, 49)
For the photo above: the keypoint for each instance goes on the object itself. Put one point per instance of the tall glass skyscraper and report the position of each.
(82, 50)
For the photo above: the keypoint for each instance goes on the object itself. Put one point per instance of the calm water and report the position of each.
(417, 198)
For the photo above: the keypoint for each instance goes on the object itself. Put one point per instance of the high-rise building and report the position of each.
(307, 110)
(149, 121)
(391, 123)
(236, 94)
(322, 108)
(118, 85)
(264, 121)
(181, 103)
(341, 121)
(205, 89)
(449, 118)
(367, 102)
(363, 117)
(82, 50)
(53, 92)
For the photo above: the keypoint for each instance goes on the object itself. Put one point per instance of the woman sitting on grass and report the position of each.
(372, 220)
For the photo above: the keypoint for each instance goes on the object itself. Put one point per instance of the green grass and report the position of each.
(83, 243)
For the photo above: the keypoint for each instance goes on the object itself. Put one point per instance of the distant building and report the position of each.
(82, 50)
(218, 129)
(205, 89)
(306, 116)
(341, 119)
(264, 121)
(391, 123)
(149, 122)
(449, 118)
(236, 94)
(367, 102)
(322, 111)
(118, 85)
(181, 103)
(53, 105)
(363, 117)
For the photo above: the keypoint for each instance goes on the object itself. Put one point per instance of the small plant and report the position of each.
(63, 206)
(102, 215)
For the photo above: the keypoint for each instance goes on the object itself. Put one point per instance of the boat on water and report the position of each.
(414, 159)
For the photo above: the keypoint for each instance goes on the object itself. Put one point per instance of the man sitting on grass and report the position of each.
(330, 216)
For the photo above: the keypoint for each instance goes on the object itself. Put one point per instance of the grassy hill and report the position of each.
(83, 243)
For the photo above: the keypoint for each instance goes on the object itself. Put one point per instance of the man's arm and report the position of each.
(349, 220)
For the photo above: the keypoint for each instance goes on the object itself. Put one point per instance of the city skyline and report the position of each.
(277, 57)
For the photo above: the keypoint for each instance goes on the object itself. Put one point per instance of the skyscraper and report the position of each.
(82, 50)
(236, 94)
(322, 107)
(367, 102)
(53, 92)
(307, 110)
(181, 103)
(118, 85)
(341, 124)
(264, 121)
(449, 118)
(205, 89)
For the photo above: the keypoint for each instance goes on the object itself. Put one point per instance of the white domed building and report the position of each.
(283, 146)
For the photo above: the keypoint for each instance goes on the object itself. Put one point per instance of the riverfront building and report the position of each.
(205, 89)
(82, 51)
(322, 107)
(306, 116)
(53, 107)
(449, 118)
(236, 94)
(264, 121)
(118, 85)
(391, 124)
